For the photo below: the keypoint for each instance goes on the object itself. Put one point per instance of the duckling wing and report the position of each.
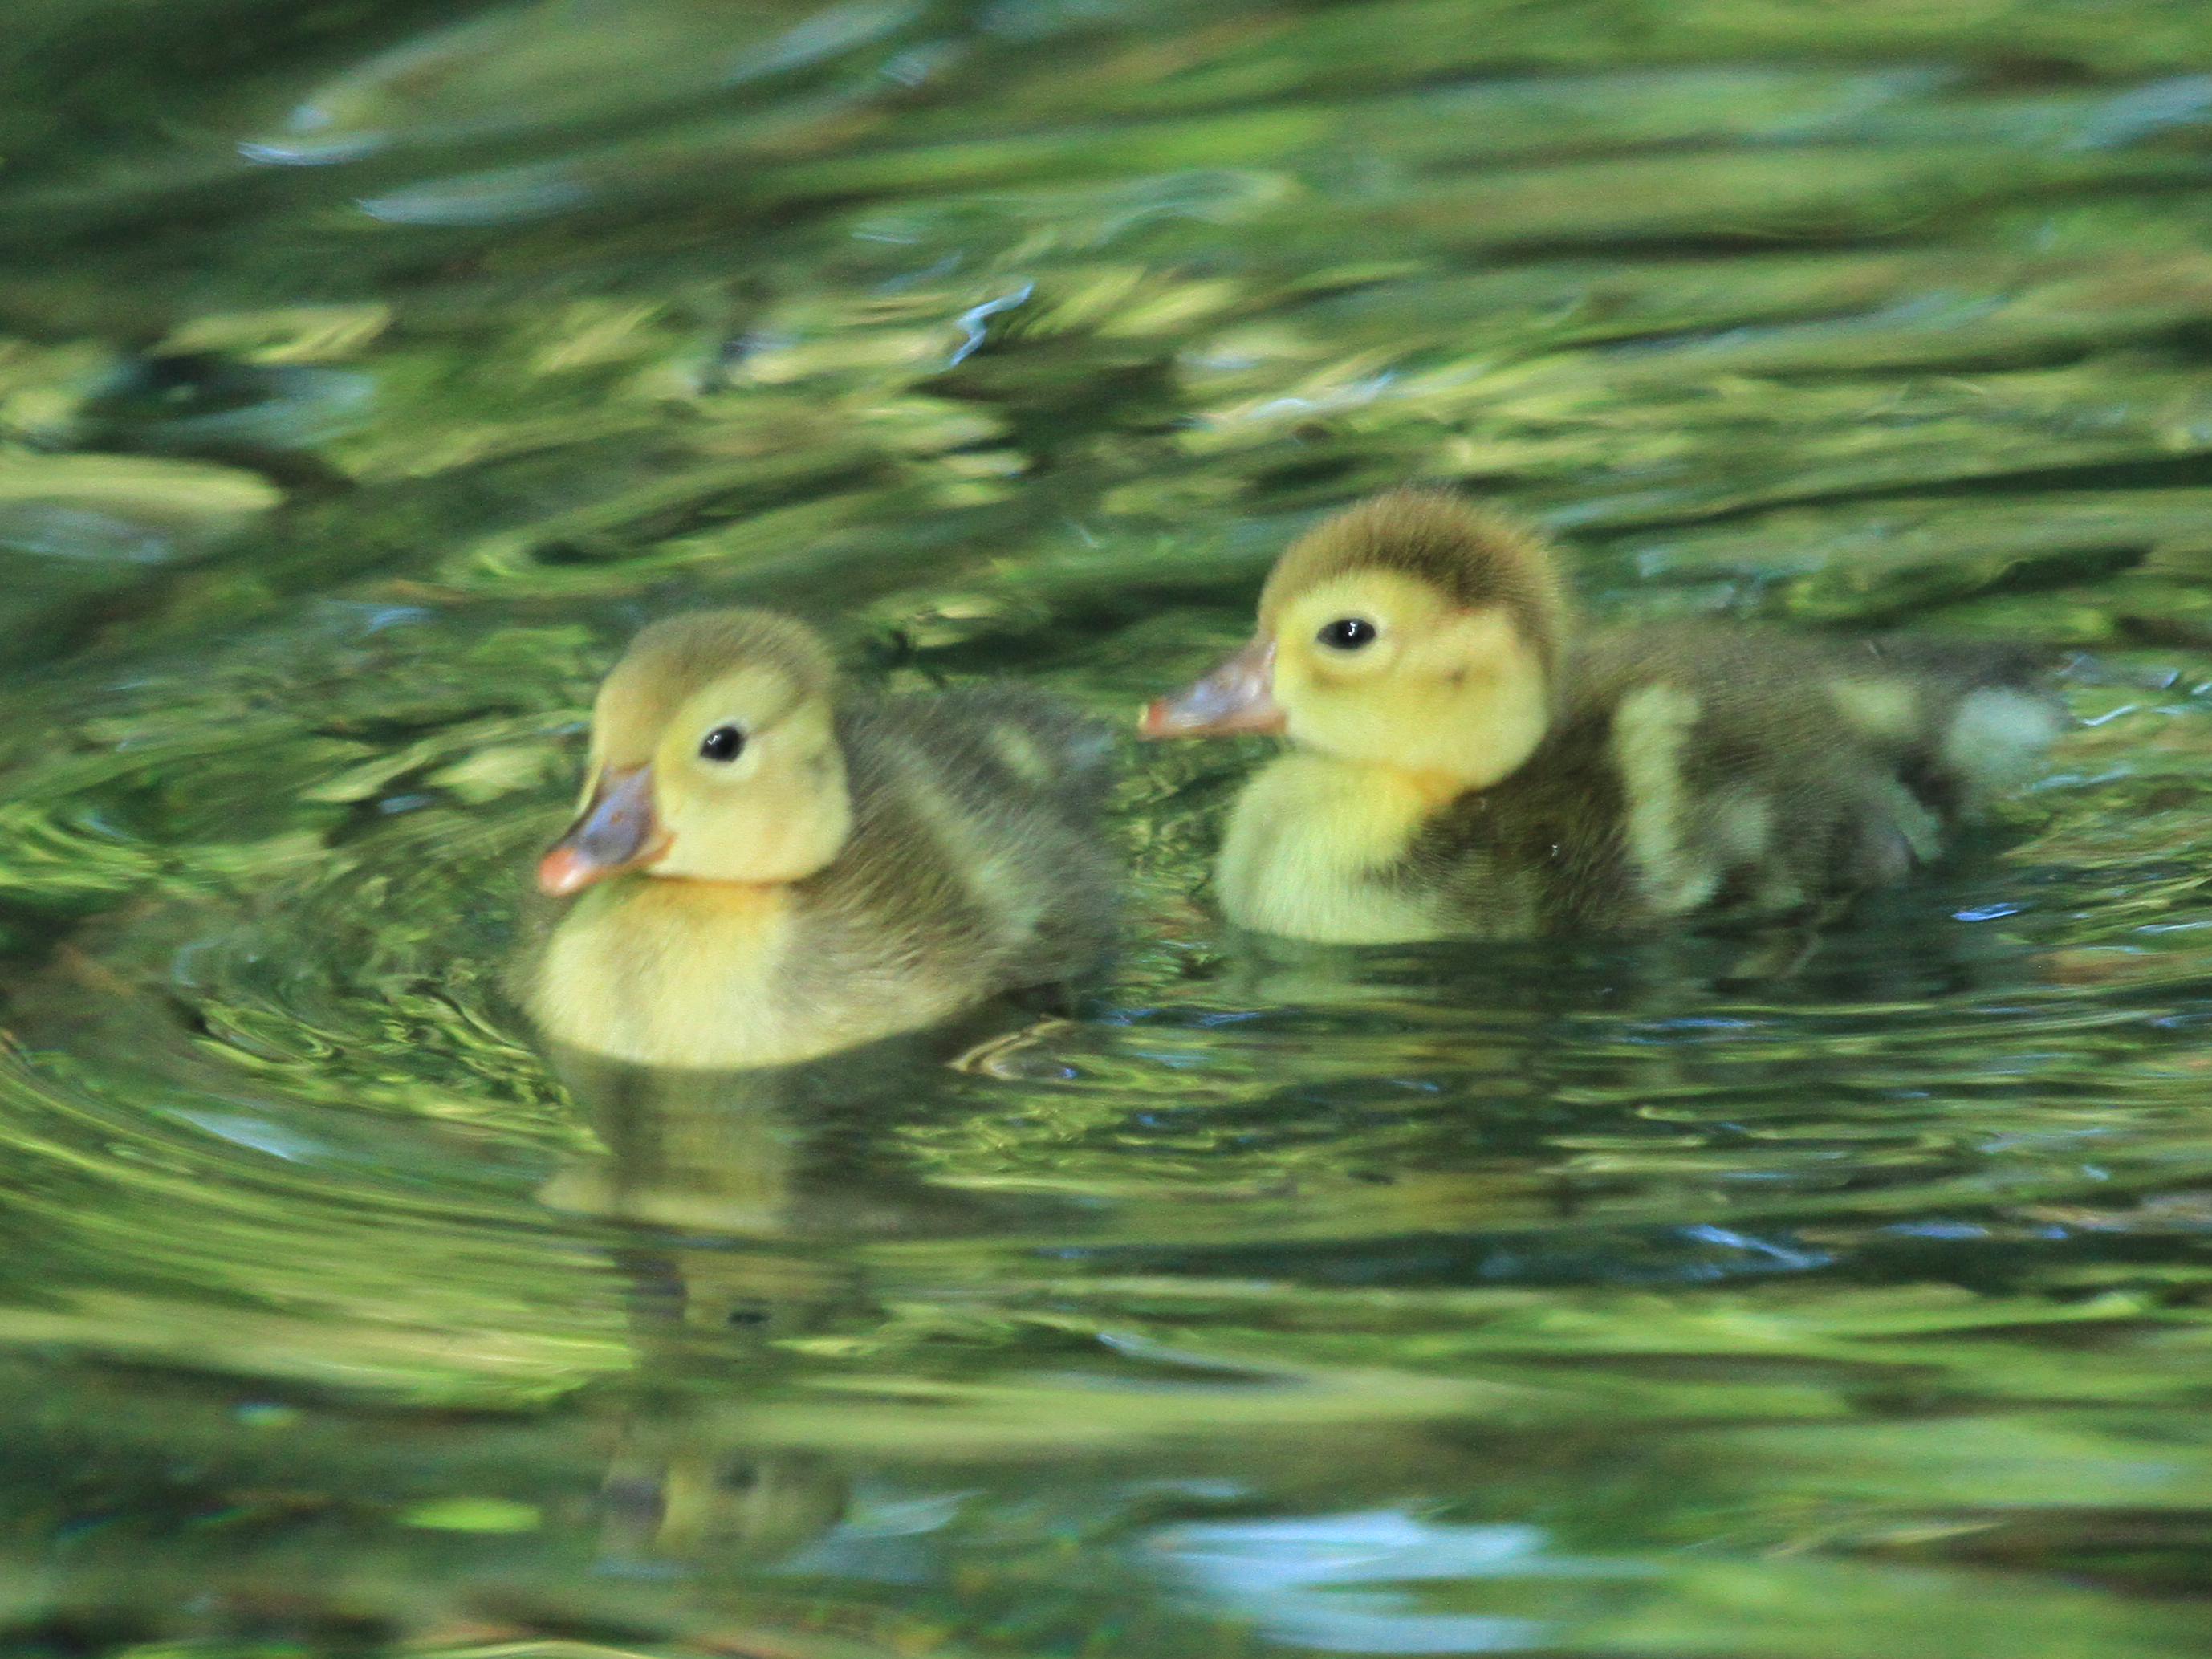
(1014, 740)
(976, 854)
(1735, 771)
(1544, 851)
(1761, 770)
(1986, 712)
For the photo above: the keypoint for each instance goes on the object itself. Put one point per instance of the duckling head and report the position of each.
(714, 758)
(1412, 631)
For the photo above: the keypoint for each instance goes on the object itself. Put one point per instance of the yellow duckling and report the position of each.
(777, 869)
(1462, 767)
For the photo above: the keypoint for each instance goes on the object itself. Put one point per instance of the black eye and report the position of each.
(724, 743)
(1347, 634)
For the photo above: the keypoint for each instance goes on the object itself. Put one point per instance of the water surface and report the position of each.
(368, 374)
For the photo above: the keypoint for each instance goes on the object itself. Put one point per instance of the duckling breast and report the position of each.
(1318, 848)
(675, 973)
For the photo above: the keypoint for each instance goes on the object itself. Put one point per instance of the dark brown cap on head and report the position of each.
(1476, 558)
(672, 658)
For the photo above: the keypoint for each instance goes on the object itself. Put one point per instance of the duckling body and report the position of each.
(885, 863)
(1463, 768)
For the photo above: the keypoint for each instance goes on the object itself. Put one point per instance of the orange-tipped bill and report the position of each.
(1237, 696)
(616, 832)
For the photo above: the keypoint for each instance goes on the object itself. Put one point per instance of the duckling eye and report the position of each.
(1347, 634)
(724, 743)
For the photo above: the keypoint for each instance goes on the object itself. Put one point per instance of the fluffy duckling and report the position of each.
(1463, 766)
(771, 869)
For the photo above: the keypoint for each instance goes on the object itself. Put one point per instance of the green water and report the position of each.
(369, 371)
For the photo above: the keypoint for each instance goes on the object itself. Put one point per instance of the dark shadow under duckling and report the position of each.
(1463, 766)
(780, 868)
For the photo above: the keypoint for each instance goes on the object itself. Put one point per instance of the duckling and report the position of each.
(771, 867)
(1463, 766)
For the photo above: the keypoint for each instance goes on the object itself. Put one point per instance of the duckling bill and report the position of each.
(767, 867)
(1464, 764)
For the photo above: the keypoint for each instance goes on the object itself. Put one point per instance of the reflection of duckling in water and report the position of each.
(816, 1150)
(779, 870)
(1464, 767)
